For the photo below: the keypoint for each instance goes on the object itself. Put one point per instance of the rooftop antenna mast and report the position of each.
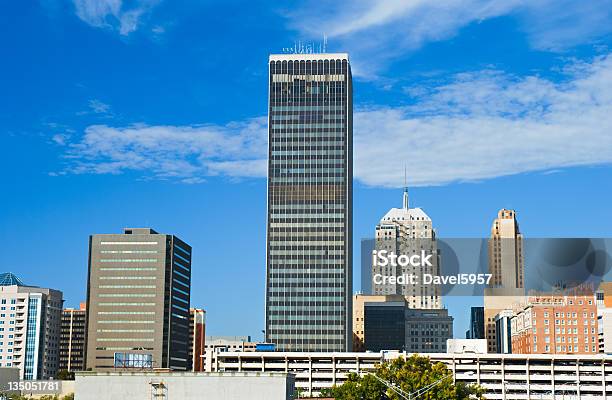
(405, 203)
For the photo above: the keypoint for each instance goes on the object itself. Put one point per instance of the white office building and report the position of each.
(30, 320)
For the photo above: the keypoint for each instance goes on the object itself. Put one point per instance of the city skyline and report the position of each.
(113, 123)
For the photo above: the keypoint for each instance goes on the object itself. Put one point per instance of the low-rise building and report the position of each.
(466, 346)
(184, 385)
(503, 376)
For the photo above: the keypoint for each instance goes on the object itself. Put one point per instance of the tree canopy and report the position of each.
(410, 374)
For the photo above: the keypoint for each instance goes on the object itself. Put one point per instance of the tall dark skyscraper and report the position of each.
(309, 232)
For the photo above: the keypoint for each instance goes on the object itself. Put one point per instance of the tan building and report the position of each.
(72, 339)
(138, 298)
(506, 264)
(556, 324)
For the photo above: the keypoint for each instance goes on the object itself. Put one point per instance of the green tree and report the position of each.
(410, 375)
(65, 375)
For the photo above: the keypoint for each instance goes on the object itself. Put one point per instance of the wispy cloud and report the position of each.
(124, 17)
(185, 153)
(479, 125)
(489, 124)
(378, 31)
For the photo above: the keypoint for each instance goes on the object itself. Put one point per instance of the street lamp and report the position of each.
(415, 394)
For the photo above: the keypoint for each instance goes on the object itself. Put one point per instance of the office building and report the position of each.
(387, 323)
(503, 332)
(309, 226)
(506, 265)
(138, 296)
(72, 339)
(197, 338)
(502, 376)
(29, 328)
(556, 324)
(407, 231)
(379, 323)
(476, 330)
(428, 330)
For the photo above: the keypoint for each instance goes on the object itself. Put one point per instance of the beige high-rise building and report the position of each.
(506, 265)
(407, 231)
(138, 297)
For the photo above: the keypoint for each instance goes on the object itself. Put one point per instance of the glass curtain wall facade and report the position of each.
(309, 240)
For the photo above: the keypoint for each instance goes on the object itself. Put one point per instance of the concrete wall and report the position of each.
(8, 375)
(185, 386)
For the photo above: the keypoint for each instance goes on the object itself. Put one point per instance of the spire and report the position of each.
(405, 202)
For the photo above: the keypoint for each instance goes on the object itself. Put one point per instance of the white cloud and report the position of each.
(115, 14)
(98, 107)
(478, 126)
(377, 31)
(489, 124)
(186, 153)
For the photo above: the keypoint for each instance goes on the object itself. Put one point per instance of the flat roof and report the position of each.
(309, 56)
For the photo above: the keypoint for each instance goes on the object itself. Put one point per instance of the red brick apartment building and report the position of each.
(556, 324)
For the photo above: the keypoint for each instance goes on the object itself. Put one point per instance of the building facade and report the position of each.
(407, 231)
(556, 324)
(138, 296)
(503, 331)
(309, 226)
(197, 338)
(477, 325)
(72, 339)
(503, 376)
(506, 265)
(29, 328)
(387, 323)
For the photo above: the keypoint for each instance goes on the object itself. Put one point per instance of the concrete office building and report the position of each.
(138, 296)
(387, 323)
(407, 231)
(476, 330)
(379, 322)
(184, 386)
(197, 338)
(29, 328)
(428, 330)
(556, 324)
(503, 376)
(309, 226)
(506, 264)
(72, 339)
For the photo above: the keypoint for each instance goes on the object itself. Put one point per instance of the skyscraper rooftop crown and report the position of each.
(10, 279)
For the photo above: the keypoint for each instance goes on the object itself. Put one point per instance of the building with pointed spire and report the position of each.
(407, 231)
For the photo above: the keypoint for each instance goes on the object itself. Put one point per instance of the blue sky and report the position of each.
(152, 113)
